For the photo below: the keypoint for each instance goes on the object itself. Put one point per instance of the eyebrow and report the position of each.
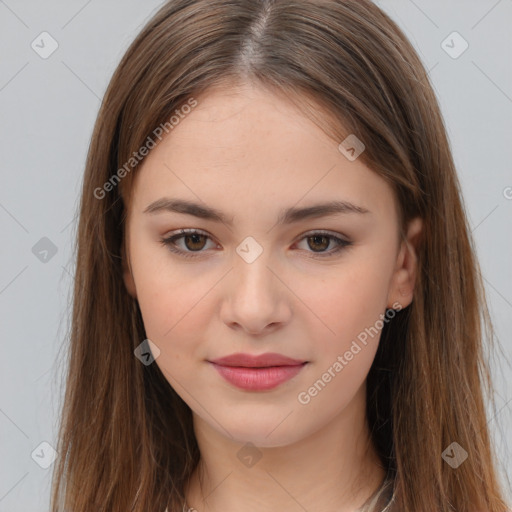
(286, 216)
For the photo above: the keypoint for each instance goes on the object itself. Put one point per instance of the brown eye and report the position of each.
(194, 242)
(318, 242)
(187, 242)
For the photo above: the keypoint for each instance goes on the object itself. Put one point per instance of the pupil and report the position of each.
(194, 237)
(319, 237)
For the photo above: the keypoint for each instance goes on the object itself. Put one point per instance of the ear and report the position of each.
(401, 288)
(127, 271)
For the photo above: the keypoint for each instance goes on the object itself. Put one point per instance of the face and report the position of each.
(251, 279)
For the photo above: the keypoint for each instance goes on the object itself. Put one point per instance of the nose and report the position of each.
(256, 298)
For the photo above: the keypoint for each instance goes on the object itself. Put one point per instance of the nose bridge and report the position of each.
(252, 274)
(254, 299)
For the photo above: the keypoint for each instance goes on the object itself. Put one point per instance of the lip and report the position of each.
(260, 361)
(257, 373)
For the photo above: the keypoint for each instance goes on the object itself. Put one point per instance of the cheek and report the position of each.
(348, 300)
(173, 303)
(175, 319)
(351, 303)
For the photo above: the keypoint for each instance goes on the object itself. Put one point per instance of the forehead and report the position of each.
(246, 148)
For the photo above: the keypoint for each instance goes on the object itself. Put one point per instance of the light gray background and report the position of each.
(48, 107)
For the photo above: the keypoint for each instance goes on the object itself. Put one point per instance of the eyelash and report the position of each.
(169, 242)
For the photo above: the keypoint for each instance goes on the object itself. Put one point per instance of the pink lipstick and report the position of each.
(257, 373)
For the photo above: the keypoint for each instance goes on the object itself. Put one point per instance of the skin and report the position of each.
(250, 153)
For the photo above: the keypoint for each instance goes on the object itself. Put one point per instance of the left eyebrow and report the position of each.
(286, 216)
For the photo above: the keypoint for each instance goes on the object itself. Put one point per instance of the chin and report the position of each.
(263, 432)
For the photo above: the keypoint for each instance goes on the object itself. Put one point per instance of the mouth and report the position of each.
(257, 372)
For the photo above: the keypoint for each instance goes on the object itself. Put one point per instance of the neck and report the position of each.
(333, 469)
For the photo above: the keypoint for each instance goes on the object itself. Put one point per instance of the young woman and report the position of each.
(277, 304)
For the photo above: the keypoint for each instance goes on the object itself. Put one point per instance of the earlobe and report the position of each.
(127, 272)
(401, 290)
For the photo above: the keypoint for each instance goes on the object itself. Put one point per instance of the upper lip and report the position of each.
(263, 360)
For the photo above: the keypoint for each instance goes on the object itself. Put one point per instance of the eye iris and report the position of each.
(316, 239)
(194, 236)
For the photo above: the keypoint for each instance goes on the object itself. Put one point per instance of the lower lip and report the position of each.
(258, 379)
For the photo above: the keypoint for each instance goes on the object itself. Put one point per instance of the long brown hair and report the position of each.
(126, 438)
